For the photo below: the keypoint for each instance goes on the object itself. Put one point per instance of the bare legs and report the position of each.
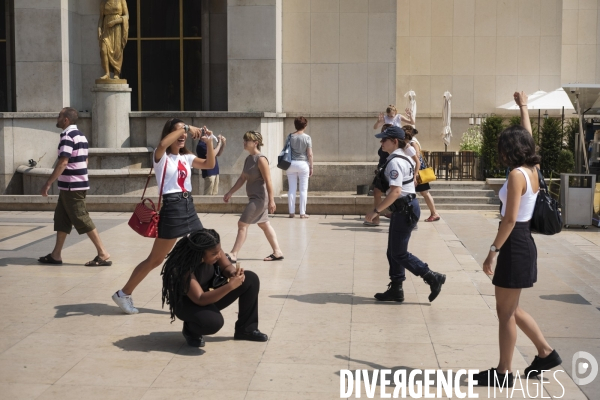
(160, 249)
(271, 237)
(239, 240)
(510, 315)
(60, 242)
(243, 233)
(94, 237)
(376, 201)
(429, 200)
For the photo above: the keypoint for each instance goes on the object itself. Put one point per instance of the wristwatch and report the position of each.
(376, 212)
(186, 128)
(494, 249)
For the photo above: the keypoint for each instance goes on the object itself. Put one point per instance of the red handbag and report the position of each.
(145, 218)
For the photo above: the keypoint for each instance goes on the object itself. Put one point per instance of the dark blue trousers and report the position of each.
(397, 252)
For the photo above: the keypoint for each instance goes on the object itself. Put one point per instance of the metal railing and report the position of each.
(449, 165)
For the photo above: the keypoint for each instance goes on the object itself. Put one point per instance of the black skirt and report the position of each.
(517, 262)
(178, 216)
(423, 187)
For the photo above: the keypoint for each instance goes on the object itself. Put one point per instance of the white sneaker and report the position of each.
(125, 303)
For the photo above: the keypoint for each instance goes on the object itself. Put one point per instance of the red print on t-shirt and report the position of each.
(181, 175)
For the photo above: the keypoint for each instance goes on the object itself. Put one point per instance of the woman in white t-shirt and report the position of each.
(392, 117)
(178, 216)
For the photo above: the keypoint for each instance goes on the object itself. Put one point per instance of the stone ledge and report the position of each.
(204, 114)
(41, 115)
(123, 172)
(120, 151)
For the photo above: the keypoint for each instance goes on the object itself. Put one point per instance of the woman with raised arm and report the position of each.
(392, 117)
(516, 268)
(261, 200)
(178, 216)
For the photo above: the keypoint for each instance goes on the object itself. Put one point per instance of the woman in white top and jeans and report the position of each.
(516, 268)
(301, 168)
(178, 216)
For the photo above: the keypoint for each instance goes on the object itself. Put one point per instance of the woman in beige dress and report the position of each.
(113, 30)
(261, 202)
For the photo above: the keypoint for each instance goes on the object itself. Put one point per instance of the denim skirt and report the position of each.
(517, 262)
(178, 216)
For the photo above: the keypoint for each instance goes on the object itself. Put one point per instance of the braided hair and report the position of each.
(181, 263)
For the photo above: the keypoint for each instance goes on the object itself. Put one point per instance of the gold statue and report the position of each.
(113, 30)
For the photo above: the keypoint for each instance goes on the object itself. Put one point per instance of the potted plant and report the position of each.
(470, 148)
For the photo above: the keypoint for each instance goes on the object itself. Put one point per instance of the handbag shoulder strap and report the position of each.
(542, 181)
(147, 181)
(404, 158)
(162, 184)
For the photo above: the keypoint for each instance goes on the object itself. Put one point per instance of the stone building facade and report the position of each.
(259, 63)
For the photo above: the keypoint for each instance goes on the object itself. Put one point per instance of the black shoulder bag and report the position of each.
(547, 218)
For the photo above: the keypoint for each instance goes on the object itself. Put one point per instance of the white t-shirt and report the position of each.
(396, 121)
(399, 170)
(178, 174)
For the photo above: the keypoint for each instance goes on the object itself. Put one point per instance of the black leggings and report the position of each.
(207, 320)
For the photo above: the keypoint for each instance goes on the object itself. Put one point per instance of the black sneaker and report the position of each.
(539, 364)
(191, 339)
(254, 336)
(488, 378)
(394, 293)
(435, 282)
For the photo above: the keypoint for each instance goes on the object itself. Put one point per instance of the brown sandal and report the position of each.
(98, 262)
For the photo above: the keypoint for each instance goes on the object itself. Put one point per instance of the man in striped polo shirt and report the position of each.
(71, 172)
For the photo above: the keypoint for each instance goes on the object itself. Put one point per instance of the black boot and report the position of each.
(191, 339)
(435, 282)
(394, 293)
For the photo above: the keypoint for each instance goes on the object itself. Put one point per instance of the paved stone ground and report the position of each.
(61, 336)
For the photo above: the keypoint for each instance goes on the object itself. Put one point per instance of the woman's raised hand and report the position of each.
(380, 118)
(408, 112)
(195, 132)
(520, 98)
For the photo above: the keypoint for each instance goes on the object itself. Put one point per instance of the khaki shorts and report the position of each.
(211, 185)
(71, 211)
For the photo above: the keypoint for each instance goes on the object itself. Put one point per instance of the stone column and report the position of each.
(110, 115)
(47, 55)
(254, 55)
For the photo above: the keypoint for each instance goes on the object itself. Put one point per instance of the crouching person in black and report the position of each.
(396, 179)
(196, 265)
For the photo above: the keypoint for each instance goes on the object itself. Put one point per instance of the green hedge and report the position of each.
(491, 129)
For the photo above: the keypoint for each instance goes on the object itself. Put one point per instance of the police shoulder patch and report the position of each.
(393, 174)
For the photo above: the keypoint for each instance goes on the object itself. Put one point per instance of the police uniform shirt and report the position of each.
(399, 170)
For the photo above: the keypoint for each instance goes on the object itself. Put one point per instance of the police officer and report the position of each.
(396, 179)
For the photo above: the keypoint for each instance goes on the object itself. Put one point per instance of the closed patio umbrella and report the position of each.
(446, 118)
(411, 103)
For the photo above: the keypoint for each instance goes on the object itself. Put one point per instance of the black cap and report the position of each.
(393, 132)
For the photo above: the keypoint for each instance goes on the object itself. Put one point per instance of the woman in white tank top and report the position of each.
(516, 268)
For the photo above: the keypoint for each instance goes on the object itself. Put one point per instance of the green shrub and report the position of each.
(491, 129)
(472, 140)
(551, 140)
(566, 162)
(571, 130)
